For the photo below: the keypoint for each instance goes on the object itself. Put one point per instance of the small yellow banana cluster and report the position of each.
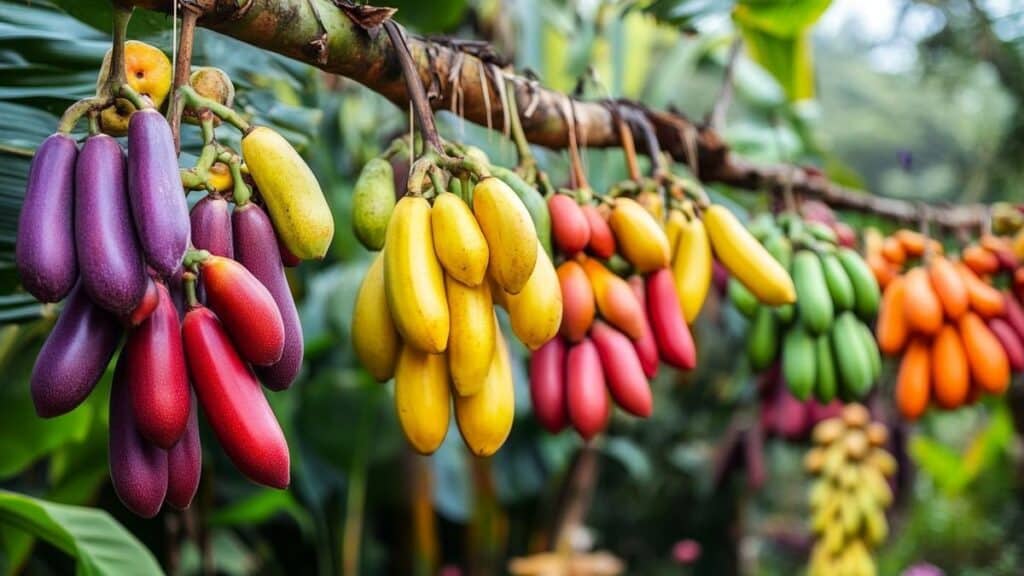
(424, 313)
(850, 496)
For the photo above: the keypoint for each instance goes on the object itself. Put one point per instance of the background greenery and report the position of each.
(931, 109)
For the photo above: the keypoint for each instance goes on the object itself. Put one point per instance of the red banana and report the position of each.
(622, 370)
(645, 346)
(667, 321)
(586, 396)
(602, 240)
(1010, 341)
(569, 227)
(578, 306)
(1013, 313)
(147, 305)
(185, 462)
(547, 385)
(246, 309)
(233, 401)
(158, 376)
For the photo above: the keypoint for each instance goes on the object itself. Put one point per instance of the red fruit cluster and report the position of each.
(614, 332)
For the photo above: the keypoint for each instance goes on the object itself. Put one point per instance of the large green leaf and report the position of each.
(99, 544)
(777, 36)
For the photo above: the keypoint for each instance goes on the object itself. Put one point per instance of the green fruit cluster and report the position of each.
(825, 345)
(851, 493)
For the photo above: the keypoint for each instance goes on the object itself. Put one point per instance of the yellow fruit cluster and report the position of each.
(849, 498)
(424, 313)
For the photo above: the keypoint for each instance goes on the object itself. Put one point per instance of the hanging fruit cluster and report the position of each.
(850, 494)
(110, 233)
(823, 341)
(614, 331)
(450, 249)
(958, 335)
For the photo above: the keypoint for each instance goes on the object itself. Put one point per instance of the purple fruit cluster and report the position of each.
(107, 232)
(103, 230)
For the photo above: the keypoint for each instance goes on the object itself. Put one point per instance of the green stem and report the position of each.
(241, 192)
(192, 99)
(74, 113)
(437, 180)
(138, 100)
(94, 123)
(190, 180)
(188, 283)
(420, 170)
(194, 257)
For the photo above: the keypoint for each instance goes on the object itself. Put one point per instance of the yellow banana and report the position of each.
(458, 241)
(640, 238)
(297, 205)
(471, 336)
(422, 399)
(747, 259)
(413, 279)
(653, 203)
(374, 337)
(485, 418)
(536, 312)
(691, 267)
(849, 516)
(511, 236)
(674, 225)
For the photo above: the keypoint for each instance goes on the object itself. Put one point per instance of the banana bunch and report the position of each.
(424, 313)
(614, 331)
(823, 341)
(851, 493)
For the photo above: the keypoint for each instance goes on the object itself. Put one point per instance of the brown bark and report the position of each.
(331, 35)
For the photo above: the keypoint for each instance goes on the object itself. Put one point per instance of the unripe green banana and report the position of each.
(798, 362)
(814, 305)
(865, 286)
(373, 201)
(763, 340)
(840, 288)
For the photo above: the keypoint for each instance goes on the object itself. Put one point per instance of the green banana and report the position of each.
(373, 201)
(852, 359)
(743, 299)
(813, 303)
(763, 341)
(865, 286)
(786, 313)
(821, 232)
(532, 199)
(781, 249)
(826, 384)
(871, 347)
(798, 362)
(840, 288)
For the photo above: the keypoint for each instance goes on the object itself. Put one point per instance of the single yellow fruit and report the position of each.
(485, 418)
(536, 312)
(653, 203)
(640, 238)
(747, 259)
(297, 206)
(674, 226)
(422, 398)
(458, 241)
(374, 337)
(148, 71)
(413, 279)
(219, 178)
(692, 267)
(471, 336)
(511, 236)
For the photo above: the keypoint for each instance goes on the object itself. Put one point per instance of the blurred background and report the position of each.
(922, 100)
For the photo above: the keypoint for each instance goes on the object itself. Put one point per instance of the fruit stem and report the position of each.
(420, 170)
(128, 93)
(116, 75)
(94, 123)
(188, 283)
(527, 162)
(414, 85)
(437, 180)
(194, 258)
(241, 192)
(74, 113)
(192, 99)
